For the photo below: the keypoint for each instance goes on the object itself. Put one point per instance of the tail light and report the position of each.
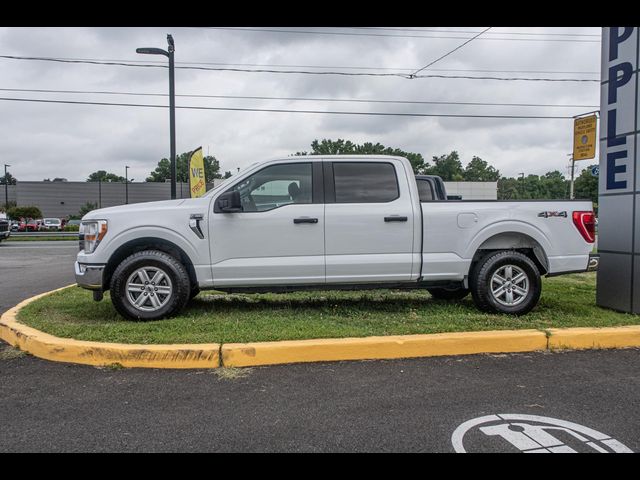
(585, 222)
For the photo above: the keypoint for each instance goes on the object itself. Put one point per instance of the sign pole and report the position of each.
(573, 168)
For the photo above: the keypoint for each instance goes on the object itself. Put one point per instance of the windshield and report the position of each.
(229, 180)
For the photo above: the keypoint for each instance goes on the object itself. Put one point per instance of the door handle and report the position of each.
(305, 220)
(395, 218)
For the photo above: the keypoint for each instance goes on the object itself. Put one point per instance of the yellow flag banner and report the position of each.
(197, 180)
(584, 137)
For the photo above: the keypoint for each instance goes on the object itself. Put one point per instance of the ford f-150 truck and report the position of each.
(329, 222)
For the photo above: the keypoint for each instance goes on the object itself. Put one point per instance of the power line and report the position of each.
(317, 32)
(370, 74)
(475, 31)
(449, 52)
(302, 99)
(343, 67)
(279, 110)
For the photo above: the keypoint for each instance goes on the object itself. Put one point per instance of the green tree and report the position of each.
(10, 179)
(477, 170)
(347, 147)
(508, 189)
(30, 211)
(227, 174)
(86, 208)
(448, 167)
(586, 186)
(555, 186)
(104, 176)
(162, 172)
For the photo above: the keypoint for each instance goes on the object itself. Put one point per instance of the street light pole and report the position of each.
(521, 173)
(172, 114)
(172, 103)
(6, 187)
(126, 184)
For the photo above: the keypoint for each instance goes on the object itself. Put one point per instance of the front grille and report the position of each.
(4, 226)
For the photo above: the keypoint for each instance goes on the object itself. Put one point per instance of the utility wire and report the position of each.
(449, 52)
(281, 110)
(317, 32)
(301, 99)
(475, 31)
(370, 74)
(340, 67)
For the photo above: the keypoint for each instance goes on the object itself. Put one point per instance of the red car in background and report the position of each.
(32, 226)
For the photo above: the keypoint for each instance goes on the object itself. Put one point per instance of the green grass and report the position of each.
(13, 238)
(567, 301)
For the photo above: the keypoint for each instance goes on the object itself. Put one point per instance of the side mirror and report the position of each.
(229, 202)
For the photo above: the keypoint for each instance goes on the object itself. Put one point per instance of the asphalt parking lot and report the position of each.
(522, 401)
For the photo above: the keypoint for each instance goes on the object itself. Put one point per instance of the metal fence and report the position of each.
(61, 199)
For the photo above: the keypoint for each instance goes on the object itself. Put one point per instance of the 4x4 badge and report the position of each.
(552, 214)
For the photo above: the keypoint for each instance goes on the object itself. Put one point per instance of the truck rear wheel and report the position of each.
(150, 285)
(506, 281)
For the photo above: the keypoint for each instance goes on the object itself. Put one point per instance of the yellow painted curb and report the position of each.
(207, 355)
(49, 347)
(398, 346)
(605, 337)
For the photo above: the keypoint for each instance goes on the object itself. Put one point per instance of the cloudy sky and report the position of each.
(42, 140)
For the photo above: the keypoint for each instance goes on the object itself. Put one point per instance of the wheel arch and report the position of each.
(147, 243)
(513, 240)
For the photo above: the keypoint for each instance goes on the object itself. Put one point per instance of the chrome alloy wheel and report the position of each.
(509, 285)
(149, 289)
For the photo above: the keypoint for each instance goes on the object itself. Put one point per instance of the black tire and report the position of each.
(177, 281)
(448, 294)
(481, 279)
(194, 291)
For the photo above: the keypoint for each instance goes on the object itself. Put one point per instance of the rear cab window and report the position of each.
(365, 182)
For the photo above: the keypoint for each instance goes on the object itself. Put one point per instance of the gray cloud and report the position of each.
(47, 140)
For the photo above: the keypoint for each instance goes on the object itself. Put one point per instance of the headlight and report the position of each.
(91, 233)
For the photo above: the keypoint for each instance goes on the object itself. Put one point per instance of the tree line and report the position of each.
(552, 185)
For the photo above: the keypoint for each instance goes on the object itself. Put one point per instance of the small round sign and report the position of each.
(595, 170)
(507, 432)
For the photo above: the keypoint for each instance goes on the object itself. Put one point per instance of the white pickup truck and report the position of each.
(330, 222)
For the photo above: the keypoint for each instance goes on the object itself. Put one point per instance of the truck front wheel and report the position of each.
(149, 285)
(506, 281)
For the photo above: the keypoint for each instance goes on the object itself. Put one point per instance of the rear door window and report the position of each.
(365, 182)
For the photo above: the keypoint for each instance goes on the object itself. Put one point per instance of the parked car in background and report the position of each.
(51, 224)
(14, 225)
(32, 226)
(4, 228)
(72, 226)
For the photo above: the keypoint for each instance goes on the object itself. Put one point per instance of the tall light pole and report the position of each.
(6, 187)
(126, 184)
(522, 173)
(172, 103)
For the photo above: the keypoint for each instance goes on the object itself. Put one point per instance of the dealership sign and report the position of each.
(618, 212)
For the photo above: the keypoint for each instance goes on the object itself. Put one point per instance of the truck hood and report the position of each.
(134, 209)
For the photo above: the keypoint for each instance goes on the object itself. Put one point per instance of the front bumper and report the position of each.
(89, 276)
(5, 235)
